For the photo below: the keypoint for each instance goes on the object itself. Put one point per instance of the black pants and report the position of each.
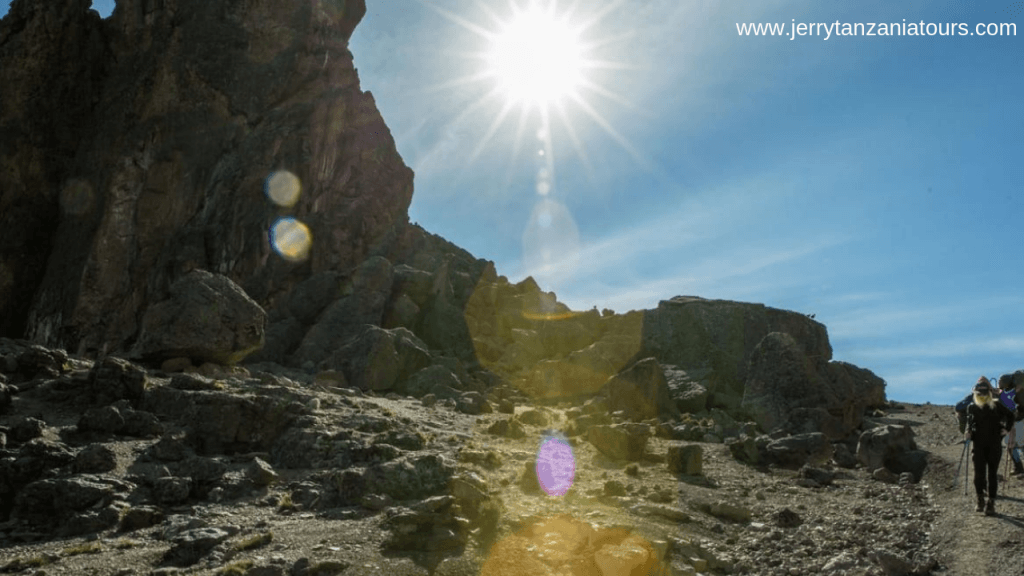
(986, 463)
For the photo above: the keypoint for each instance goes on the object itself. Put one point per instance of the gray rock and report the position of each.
(689, 393)
(795, 451)
(534, 417)
(140, 424)
(730, 511)
(641, 391)
(26, 428)
(435, 380)
(414, 476)
(112, 379)
(96, 458)
(172, 490)
(346, 317)
(474, 403)
(744, 449)
(50, 501)
(190, 546)
(620, 441)
(508, 427)
(892, 564)
(311, 296)
(378, 359)
(892, 447)
(819, 476)
(106, 420)
(261, 473)
(139, 517)
(6, 397)
(686, 459)
(694, 333)
(207, 318)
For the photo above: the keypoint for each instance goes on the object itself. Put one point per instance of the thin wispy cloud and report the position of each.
(948, 348)
(863, 322)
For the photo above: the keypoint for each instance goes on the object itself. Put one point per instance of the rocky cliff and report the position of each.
(137, 148)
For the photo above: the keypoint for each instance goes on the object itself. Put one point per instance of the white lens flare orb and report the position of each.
(283, 188)
(537, 58)
(291, 239)
(556, 466)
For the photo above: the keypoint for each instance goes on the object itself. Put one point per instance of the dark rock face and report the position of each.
(136, 149)
(208, 318)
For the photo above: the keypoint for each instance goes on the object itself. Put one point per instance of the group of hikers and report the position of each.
(987, 417)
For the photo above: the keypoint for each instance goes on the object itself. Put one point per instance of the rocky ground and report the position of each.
(99, 476)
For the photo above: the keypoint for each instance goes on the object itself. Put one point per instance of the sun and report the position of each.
(536, 58)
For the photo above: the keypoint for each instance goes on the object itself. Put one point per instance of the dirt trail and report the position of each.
(970, 542)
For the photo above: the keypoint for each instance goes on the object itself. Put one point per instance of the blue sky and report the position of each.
(871, 181)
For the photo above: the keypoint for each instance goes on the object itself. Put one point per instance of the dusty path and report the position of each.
(970, 542)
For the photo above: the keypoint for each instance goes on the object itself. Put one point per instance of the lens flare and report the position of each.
(556, 466)
(283, 188)
(291, 239)
(551, 243)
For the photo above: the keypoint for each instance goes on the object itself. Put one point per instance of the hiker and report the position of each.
(1008, 396)
(987, 422)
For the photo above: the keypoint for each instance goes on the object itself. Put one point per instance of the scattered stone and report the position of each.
(171, 490)
(190, 546)
(96, 458)
(260, 473)
(686, 459)
(620, 441)
(795, 451)
(27, 428)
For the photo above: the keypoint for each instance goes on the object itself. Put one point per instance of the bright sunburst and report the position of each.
(537, 57)
(540, 58)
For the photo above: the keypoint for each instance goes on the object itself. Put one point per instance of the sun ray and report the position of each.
(594, 64)
(600, 15)
(516, 144)
(455, 18)
(611, 131)
(495, 124)
(577, 144)
(489, 12)
(595, 87)
(609, 40)
(456, 83)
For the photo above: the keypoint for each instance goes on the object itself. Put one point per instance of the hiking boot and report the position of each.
(1018, 468)
(981, 504)
(990, 508)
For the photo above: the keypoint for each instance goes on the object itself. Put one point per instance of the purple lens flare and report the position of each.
(556, 466)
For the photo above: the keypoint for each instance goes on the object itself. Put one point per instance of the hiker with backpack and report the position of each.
(1008, 396)
(988, 420)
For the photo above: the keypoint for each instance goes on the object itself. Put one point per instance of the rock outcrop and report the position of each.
(140, 147)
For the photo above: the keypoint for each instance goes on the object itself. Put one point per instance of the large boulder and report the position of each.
(620, 441)
(887, 447)
(780, 379)
(362, 304)
(207, 318)
(641, 392)
(379, 359)
(721, 335)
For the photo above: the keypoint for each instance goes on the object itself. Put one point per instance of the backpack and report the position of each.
(961, 411)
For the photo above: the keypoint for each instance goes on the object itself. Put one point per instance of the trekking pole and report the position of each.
(963, 453)
(967, 470)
